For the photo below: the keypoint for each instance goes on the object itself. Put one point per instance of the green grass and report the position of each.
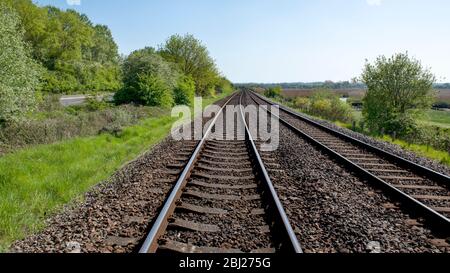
(437, 118)
(36, 182)
(440, 156)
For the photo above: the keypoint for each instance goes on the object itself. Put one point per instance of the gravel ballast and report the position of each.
(334, 211)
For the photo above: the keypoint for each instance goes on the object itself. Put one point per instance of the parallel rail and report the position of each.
(372, 156)
(284, 236)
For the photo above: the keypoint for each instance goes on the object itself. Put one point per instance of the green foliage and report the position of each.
(273, 92)
(147, 62)
(399, 90)
(77, 54)
(55, 123)
(442, 156)
(192, 59)
(19, 74)
(185, 91)
(153, 91)
(143, 72)
(223, 85)
(325, 104)
(51, 176)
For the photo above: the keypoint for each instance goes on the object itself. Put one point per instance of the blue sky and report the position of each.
(284, 40)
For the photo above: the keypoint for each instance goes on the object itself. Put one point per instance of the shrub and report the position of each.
(19, 73)
(93, 104)
(273, 92)
(399, 89)
(302, 103)
(148, 80)
(185, 91)
(70, 122)
(325, 104)
(153, 91)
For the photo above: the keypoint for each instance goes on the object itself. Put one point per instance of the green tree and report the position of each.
(19, 74)
(184, 92)
(143, 70)
(147, 61)
(153, 91)
(273, 92)
(399, 89)
(78, 55)
(223, 85)
(192, 59)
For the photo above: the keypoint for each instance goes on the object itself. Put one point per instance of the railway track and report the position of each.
(223, 201)
(423, 192)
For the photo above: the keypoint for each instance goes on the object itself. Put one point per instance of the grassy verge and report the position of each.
(36, 182)
(437, 118)
(424, 150)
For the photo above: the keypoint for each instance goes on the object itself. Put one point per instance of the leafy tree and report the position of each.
(184, 92)
(77, 54)
(399, 89)
(147, 61)
(153, 91)
(224, 85)
(144, 70)
(192, 59)
(19, 74)
(273, 92)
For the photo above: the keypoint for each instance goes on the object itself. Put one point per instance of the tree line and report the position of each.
(322, 85)
(49, 50)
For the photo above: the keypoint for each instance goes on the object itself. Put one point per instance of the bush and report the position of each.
(273, 92)
(399, 90)
(153, 91)
(19, 73)
(148, 80)
(70, 122)
(303, 104)
(325, 104)
(185, 91)
(93, 104)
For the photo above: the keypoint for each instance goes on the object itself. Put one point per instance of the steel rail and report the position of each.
(436, 176)
(437, 220)
(150, 244)
(287, 233)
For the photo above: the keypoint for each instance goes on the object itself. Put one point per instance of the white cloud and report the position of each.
(73, 2)
(374, 2)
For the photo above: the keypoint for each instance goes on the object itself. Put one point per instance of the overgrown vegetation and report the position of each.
(273, 92)
(53, 123)
(325, 104)
(19, 73)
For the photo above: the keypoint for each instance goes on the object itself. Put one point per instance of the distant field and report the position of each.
(292, 93)
(437, 118)
(443, 94)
